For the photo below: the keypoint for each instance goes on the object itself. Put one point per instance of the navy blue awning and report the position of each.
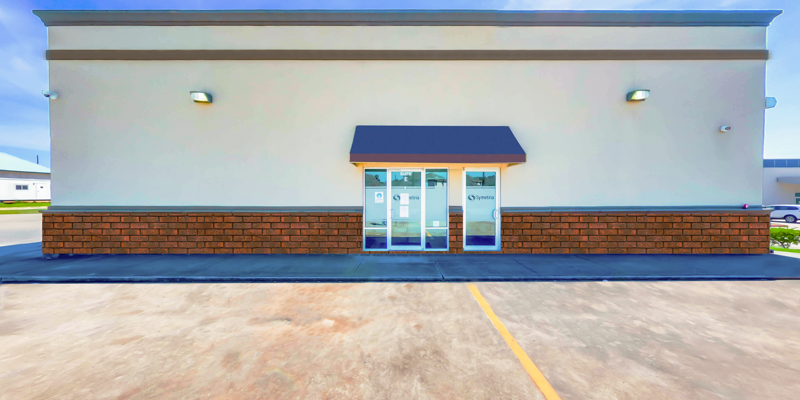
(436, 144)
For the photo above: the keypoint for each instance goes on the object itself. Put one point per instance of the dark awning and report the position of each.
(436, 144)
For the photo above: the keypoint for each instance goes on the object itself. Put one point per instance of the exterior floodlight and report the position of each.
(771, 102)
(201, 97)
(50, 95)
(724, 128)
(638, 95)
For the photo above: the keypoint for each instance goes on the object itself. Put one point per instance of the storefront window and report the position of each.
(375, 221)
(481, 210)
(436, 209)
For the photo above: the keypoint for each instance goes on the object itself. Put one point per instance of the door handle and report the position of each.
(391, 215)
(494, 213)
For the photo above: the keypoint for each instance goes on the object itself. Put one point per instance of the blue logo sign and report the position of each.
(379, 195)
(473, 197)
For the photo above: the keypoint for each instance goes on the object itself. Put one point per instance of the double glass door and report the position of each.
(406, 209)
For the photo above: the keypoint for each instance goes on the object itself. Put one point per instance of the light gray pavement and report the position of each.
(253, 341)
(20, 228)
(591, 340)
(657, 340)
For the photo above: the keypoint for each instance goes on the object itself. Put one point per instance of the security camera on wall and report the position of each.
(50, 95)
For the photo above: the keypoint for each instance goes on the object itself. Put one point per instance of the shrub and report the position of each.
(784, 237)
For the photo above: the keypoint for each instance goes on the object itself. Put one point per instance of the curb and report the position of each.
(219, 279)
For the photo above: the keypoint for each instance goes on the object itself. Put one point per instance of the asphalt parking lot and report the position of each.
(590, 340)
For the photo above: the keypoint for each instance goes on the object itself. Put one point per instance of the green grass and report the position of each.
(782, 249)
(19, 211)
(21, 204)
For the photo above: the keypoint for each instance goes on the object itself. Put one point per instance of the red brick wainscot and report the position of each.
(637, 233)
(340, 233)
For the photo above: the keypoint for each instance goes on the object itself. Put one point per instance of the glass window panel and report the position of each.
(406, 205)
(436, 212)
(481, 178)
(375, 198)
(480, 225)
(436, 238)
(375, 239)
(375, 177)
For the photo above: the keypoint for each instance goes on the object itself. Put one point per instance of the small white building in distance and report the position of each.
(23, 180)
(781, 181)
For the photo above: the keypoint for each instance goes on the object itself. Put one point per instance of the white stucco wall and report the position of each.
(279, 132)
(780, 193)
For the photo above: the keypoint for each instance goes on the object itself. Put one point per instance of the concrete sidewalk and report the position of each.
(24, 264)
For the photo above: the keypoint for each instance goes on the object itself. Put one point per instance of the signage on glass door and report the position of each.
(473, 197)
(404, 200)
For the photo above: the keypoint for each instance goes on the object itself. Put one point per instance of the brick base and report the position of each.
(637, 233)
(340, 233)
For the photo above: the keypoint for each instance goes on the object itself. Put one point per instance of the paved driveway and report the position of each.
(20, 228)
(589, 340)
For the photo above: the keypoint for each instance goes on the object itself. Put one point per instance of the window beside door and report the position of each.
(437, 213)
(375, 211)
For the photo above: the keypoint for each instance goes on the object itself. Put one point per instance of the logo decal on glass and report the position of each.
(379, 197)
(403, 198)
(473, 197)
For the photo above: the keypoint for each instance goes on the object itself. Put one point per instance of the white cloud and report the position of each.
(634, 4)
(35, 137)
(23, 75)
(572, 4)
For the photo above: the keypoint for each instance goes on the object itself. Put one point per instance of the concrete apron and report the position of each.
(25, 264)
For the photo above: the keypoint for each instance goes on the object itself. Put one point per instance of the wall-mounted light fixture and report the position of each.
(638, 95)
(770, 102)
(201, 97)
(50, 95)
(724, 128)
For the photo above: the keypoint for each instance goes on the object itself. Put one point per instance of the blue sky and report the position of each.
(24, 128)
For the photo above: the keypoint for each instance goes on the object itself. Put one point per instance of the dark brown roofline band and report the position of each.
(408, 55)
(404, 18)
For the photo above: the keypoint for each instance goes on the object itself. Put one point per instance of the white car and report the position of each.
(787, 212)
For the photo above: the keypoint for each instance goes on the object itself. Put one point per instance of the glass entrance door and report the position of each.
(405, 209)
(481, 209)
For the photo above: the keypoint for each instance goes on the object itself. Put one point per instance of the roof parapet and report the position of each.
(405, 18)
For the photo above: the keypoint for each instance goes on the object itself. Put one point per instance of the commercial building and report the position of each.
(369, 131)
(781, 181)
(23, 180)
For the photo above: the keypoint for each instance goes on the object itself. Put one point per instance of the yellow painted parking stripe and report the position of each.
(534, 372)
